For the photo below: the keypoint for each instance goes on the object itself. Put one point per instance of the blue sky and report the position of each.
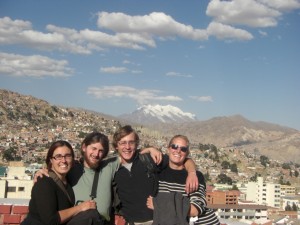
(210, 58)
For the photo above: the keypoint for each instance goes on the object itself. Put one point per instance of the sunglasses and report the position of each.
(182, 148)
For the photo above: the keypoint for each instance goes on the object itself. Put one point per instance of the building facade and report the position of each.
(264, 193)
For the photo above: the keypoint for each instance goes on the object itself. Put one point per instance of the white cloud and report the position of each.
(141, 31)
(142, 96)
(121, 40)
(245, 13)
(20, 32)
(10, 30)
(126, 62)
(202, 98)
(155, 24)
(175, 74)
(251, 13)
(66, 39)
(222, 31)
(113, 69)
(282, 5)
(136, 71)
(263, 33)
(33, 66)
(129, 62)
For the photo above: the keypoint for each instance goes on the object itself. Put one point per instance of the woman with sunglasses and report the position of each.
(52, 198)
(173, 205)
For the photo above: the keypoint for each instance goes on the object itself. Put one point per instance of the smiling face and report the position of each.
(126, 147)
(93, 154)
(62, 161)
(178, 151)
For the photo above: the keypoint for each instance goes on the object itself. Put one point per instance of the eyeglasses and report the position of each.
(124, 143)
(60, 157)
(182, 148)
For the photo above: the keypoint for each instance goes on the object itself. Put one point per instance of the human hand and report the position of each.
(150, 202)
(192, 182)
(40, 173)
(156, 155)
(86, 205)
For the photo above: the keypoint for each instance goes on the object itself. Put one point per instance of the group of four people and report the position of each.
(53, 198)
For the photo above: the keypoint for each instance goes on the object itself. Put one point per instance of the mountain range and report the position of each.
(235, 132)
(278, 142)
(149, 114)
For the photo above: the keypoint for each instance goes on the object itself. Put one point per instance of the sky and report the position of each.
(209, 58)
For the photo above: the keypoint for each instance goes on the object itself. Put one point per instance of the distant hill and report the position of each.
(274, 141)
(18, 110)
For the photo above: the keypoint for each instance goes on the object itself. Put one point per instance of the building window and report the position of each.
(11, 189)
(21, 188)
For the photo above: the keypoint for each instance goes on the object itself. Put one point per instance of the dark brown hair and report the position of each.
(96, 137)
(53, 147)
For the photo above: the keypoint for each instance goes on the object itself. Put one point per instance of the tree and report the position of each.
(288, 208)
(224, 179)
(203, 147)
(225, 165)
(9, 154)
(286, 166)
(296, 174)
(233, 168)
(281, 180)
(206, 176)
(264, 160)
(81, 134)
(234, 187)
(294, 207)
(254, 178)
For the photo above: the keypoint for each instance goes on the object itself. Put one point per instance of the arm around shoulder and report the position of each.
(192, 181)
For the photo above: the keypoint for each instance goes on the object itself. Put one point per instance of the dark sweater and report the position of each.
(133, 188)
(171, 181)
(47, 199)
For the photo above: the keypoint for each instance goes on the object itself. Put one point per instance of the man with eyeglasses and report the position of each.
(94, 149)
(133, 184)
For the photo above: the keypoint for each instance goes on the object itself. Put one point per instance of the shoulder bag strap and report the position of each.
(95, 184)
(59, 183)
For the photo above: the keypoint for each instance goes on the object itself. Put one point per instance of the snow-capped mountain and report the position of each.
(149, 114)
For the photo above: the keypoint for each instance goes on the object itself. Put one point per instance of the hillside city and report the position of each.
(233, 176)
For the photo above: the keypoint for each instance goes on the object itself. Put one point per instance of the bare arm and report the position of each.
(192, 179)
(193, 211)
(67, 214)
(40, 173)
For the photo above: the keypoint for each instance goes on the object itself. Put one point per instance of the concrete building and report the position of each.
(264, 193)
(16, 184)
(241, 212)
(222, 197)
(287, 190)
